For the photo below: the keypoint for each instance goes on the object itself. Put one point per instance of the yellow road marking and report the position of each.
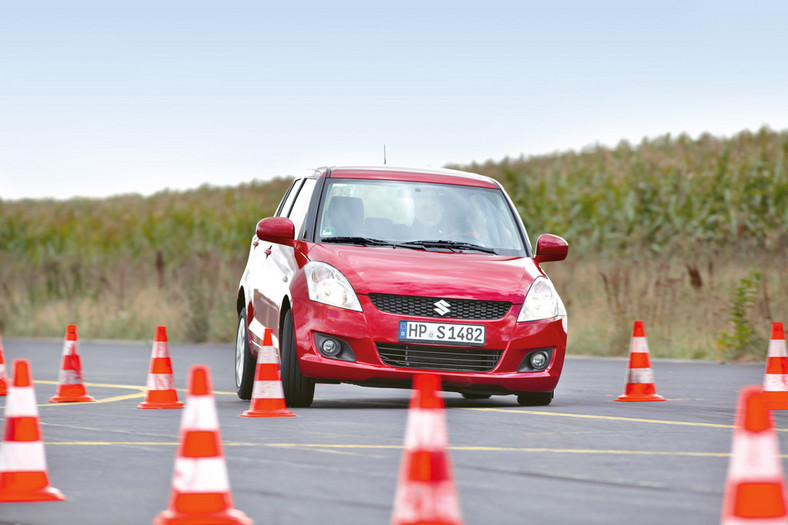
(97, 385)
(142, 390)
(121, 398)
(457, 448)
(607, 418)
(140, 393)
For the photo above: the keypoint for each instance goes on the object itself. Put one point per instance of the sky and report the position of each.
(108, 97)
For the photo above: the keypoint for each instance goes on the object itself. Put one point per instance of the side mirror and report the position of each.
(279, 230)
(550, 248)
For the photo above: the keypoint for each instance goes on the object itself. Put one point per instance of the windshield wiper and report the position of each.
(452, 245)
(363, 241)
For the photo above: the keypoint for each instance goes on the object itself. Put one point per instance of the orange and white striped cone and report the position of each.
(200, 484)
(70, 388)
(23, 468)
(161, 385)
(775, 381)
(640, 378)
(268, 396)
(3, 376)
(755, 486)
(426, 492)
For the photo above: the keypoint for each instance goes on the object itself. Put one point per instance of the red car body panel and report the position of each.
(403, 272)
(411, 272)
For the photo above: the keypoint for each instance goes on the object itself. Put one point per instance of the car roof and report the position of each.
(446, 176)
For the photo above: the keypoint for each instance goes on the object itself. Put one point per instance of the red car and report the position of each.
(368, 275)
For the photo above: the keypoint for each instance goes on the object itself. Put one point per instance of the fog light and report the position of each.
(538, 360)
(330, 348)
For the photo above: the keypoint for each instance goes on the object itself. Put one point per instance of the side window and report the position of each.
(301, 206)
(287, 200)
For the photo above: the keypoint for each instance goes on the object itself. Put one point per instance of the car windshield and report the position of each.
(419, 215)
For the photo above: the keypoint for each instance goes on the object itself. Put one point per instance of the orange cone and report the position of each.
(70, 388)
(23, 469)
(755, 487)
(3, 377)
(775, 381)
(161, 385)
(200, 484)
(268, 396)
(640, 379)
(426, 493)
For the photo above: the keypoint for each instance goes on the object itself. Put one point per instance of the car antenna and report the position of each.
(384, 154)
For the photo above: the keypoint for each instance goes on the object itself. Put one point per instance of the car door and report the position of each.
(275, 263)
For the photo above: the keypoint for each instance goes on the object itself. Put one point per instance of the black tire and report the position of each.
(475, 396)
(299, 390)
(534, 399)
(244, 361)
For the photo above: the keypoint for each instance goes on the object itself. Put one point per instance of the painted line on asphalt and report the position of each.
(454, 448)
(607, 418)
(141, 390)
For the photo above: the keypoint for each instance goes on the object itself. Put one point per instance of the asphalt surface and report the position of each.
(583, 459)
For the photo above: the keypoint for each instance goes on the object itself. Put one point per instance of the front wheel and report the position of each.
(299, 390)
(244, 361)
(534, 399)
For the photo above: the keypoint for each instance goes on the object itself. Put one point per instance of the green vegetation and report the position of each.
(742, 340)
(671, 231)
(117, 267)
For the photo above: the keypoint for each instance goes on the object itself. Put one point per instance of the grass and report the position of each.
(683, 321)
(664, 231)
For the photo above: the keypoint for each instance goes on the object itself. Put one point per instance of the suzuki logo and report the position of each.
(442, 307)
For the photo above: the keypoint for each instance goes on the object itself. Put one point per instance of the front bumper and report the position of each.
(365, 331)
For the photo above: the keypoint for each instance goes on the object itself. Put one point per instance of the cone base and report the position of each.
(641, 397)
(268, 413)
(151, 404)
(21, 496)
(72, 399)
(227, 517)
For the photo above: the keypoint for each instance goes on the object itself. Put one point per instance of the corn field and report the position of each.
(669, 231)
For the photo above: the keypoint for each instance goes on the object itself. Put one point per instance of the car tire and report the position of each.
(244, 361)
(299, 390)
(534, 399)
(474, 396)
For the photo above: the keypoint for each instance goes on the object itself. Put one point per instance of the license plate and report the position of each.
(467, 334)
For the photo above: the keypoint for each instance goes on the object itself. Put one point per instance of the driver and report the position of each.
(437, 217)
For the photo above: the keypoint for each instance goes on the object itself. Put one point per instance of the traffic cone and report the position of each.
(640, 379)
(3, 377)
(755, 487)
(161, 385)
(268, 396)
(426, 493)
(70, 388)
(775, 381)
(200, 484)
(23, 469)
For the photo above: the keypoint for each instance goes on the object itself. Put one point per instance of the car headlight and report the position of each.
(542, 302)
(327, 285)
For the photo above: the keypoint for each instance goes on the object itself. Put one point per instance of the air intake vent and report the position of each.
(426, 307)
(439, 357)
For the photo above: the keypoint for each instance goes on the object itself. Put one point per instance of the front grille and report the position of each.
(439, 357)
(426, 307)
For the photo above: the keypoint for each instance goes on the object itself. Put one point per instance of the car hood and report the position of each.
(403, 271)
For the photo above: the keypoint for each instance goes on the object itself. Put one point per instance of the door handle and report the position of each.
(267, 252)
